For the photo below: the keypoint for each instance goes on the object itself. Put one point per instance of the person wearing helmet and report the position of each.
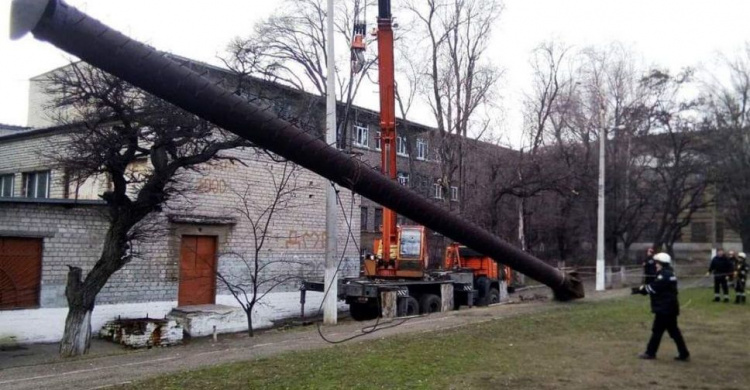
(740, 278)
(666, 308)
(721, 267)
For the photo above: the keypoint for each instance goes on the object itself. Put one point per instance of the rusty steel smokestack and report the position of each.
(78, 34)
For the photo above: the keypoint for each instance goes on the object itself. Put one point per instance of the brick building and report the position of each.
(48, 222)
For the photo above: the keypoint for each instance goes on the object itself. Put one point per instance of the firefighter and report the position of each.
(732, 256)
(649, 267)
(740, 278)
(721, 268)
(666, 308)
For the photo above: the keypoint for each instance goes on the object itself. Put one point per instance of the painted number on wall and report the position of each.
(208, 185)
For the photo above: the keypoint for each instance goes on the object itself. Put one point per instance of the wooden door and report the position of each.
(20, 272)
(197, 271)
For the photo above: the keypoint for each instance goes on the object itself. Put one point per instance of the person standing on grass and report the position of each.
(721, 268)
(740, 278)
(649, 267)
(666, 308)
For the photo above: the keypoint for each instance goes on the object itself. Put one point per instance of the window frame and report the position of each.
(422, 149)
(437, 191)
(363, 217)
(378, 219)
(11, 187)
(454, 193)
(377, 141)
(403, 178)
(365, 132)
(35, 176)
(401, 144)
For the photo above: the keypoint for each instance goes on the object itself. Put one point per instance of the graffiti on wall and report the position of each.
(309, 239)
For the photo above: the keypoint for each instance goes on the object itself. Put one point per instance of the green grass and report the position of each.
(577, 345)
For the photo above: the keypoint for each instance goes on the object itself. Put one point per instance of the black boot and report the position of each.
(737, 300)
(744, 299)
(717, 299)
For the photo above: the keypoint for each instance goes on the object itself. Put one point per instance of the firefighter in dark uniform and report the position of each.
(721, 267)
(666, 308)
(649, 267)
(740, 278)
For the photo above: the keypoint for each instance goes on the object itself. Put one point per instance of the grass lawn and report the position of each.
(581, 345)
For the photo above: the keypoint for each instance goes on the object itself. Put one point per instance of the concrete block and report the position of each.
(200, 320)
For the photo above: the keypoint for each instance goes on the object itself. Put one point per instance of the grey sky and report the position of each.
(671, 33)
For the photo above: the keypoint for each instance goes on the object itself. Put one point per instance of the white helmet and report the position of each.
(662, 257)
(742, 255)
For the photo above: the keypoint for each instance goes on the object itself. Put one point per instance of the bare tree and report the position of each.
(118, 126)
(679, 166)
(728, 104)
(457, 79)
(262, 271)
(291, 47)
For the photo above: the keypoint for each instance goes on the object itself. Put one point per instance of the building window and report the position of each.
(437, 191)
(401, 146)
(403, 178)
(421, 149)
(377, 140)
(378, 219)
(36, 184)
(698, 232)
(454, 194)
(360, 136)
(6, 185)
(363, 218)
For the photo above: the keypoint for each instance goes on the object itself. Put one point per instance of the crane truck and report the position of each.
(399, 264)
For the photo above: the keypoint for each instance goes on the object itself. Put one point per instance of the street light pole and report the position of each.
(330, 309)
(600, 274)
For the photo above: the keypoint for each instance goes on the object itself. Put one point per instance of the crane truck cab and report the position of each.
(490, 277)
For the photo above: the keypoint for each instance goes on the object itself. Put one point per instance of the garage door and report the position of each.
(20, 272)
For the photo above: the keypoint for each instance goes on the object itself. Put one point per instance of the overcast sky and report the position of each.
(671, 33)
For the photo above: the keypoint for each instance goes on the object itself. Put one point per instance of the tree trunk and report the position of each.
(249, 314)
(77, 336)
(745, 231)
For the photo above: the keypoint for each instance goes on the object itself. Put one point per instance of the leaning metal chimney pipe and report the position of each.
(76, 33)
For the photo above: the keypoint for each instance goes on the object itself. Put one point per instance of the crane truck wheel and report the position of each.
(408, 307)
(363, 311)
(429, 303)
(493, 297)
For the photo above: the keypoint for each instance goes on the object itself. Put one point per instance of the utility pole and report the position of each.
(600, 274)
(330, 309)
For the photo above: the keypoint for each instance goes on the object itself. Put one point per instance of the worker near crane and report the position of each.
(666, 308)
(649, 267)
(721, 267)
(740, 278)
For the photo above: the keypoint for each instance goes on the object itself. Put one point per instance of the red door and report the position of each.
(20, 272)
(197, 271)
